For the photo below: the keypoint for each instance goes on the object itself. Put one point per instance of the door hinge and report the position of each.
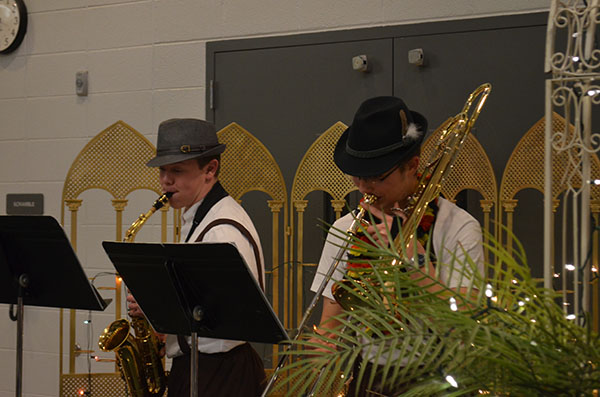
(211, 94)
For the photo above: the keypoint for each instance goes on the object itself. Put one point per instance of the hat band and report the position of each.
(185, 149)
(368, 154)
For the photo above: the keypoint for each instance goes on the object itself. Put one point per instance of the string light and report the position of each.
(569, 266)
(595, 181)
(571, 317)
(593, 92)
(594, 269)
(533, 320)
(453, 305)
(515, 282)
(87, 321)
(575, 58)
(556, 275)
(521, 303)
(488, 291)
(451, 380)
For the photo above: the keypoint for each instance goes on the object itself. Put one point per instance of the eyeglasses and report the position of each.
(377, 179)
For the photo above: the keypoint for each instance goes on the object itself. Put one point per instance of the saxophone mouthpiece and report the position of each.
(369, 198)
(162, 200)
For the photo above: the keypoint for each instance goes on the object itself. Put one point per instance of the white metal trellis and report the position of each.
(573, 58)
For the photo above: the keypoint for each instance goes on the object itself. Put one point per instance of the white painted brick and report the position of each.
(95, 256)
(38, 322)
(178, 103)
(134, 108)
(7, 367)
(184, 20)
(179, 65)
(13, 119)
(40, 372)
(12, 76)
(8, 330)
(122, 25)
(507, 6)
(414, 10)
(121, 70)
(262, 16)
(12, 158)
(92, 3)
(97, 207)
(338, 13)
(53, 74)
(55, 117)
(57, 31)
(420, 10)
(61, 154)
(35, 6)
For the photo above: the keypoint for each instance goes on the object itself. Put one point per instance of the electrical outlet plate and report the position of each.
(81, 83)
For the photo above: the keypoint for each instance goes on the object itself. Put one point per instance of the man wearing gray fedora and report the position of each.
(188, 157)
(380, 151)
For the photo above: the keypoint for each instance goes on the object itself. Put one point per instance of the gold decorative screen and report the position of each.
(247, 165)
(316, 172)
(114, 161)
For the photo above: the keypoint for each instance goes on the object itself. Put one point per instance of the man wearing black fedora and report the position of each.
(380, 151)
(188, 157)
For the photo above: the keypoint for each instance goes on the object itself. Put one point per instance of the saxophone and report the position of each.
(137, 356)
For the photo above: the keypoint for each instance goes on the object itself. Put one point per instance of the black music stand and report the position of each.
(38, 267)
(203, 289)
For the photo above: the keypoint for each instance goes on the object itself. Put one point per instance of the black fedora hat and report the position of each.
(184, 139)
(384, 131)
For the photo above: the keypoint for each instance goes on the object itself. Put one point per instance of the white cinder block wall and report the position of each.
(146, 63)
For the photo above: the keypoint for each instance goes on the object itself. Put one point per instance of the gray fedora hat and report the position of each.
(184, 139)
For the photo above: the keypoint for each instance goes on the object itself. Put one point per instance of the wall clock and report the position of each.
(13, 24)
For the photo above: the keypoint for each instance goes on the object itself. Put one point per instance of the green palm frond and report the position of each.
(508, 337)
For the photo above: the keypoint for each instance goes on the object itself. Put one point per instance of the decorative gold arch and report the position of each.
(525, 170)
(247, 165)
(114, 161)
(316, 172)
(472, 170)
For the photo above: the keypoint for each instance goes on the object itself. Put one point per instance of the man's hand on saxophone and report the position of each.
(133, 309)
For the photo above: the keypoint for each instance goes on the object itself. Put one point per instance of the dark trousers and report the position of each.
(236, 373)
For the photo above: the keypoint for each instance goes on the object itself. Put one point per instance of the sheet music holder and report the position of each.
(203, 289)
(170, 281)
(38, 267)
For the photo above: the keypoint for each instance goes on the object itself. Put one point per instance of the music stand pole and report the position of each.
(23, 283)
(197, 315)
